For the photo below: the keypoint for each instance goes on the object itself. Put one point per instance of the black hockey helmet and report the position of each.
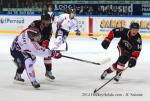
(71, 11)
(45, 16)
(134, 25)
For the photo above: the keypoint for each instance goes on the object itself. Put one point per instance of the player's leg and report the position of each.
(19, 71)
(109, 70)
(113, 67)
(31, 73)
(60, 38)
(19, 61)
(48, 62)
(48, 65)
(119, 65)
(124, 57)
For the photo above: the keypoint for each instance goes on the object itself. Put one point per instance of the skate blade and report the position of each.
(48, 79)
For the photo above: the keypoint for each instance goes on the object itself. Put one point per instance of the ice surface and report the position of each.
(75, 79)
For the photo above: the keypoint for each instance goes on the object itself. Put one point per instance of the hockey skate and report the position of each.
(117, 77)
(18, 77)
(104, 74)
(35, 84)
(49, 75)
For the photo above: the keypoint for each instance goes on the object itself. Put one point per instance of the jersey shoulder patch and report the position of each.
(139, 40)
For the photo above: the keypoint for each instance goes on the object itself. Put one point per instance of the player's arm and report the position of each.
(76, 27)
(47, 35)
(38, 50)
(135, 54)
(60, 20)
(115, 33)
(33, 47)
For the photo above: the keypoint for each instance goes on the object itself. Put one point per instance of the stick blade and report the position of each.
(95, 91)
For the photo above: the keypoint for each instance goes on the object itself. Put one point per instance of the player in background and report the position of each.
(129, 47)
(51, 13)
(24, 50)
(45, 27)
(65, 23)
(49, 9)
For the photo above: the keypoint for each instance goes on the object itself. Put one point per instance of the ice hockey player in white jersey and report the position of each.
(65, 23)
(24, 50)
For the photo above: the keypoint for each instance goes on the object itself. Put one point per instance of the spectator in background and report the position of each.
(120, 10)
(1, 7)
(108, 10)
(35, 5)
(77, 9)
(114, 10)
(81, 10)
(125, 11)
(86, 9)
(99, 11)
(65, 10)
(90, 10)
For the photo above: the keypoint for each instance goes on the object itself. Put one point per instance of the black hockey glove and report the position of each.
(105, 43)
(131, 63)
(78, 32)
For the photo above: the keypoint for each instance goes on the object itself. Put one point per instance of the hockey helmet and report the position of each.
(45, 16)
(134, 25)
(71, 11)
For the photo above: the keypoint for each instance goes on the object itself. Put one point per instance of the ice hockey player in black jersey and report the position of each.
(45, 27)
(129, 47)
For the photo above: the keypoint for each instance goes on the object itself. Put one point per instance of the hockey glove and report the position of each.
(56, 54)
(78, 33)
(105, 43)
(132, 63)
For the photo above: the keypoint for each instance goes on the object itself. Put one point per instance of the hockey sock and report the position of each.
(20, 70)
(29, 69)
(48, 63)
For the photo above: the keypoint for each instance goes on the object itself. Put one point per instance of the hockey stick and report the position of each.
(86, 61)
(97, 89)
(66, 46)
(93, 38)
